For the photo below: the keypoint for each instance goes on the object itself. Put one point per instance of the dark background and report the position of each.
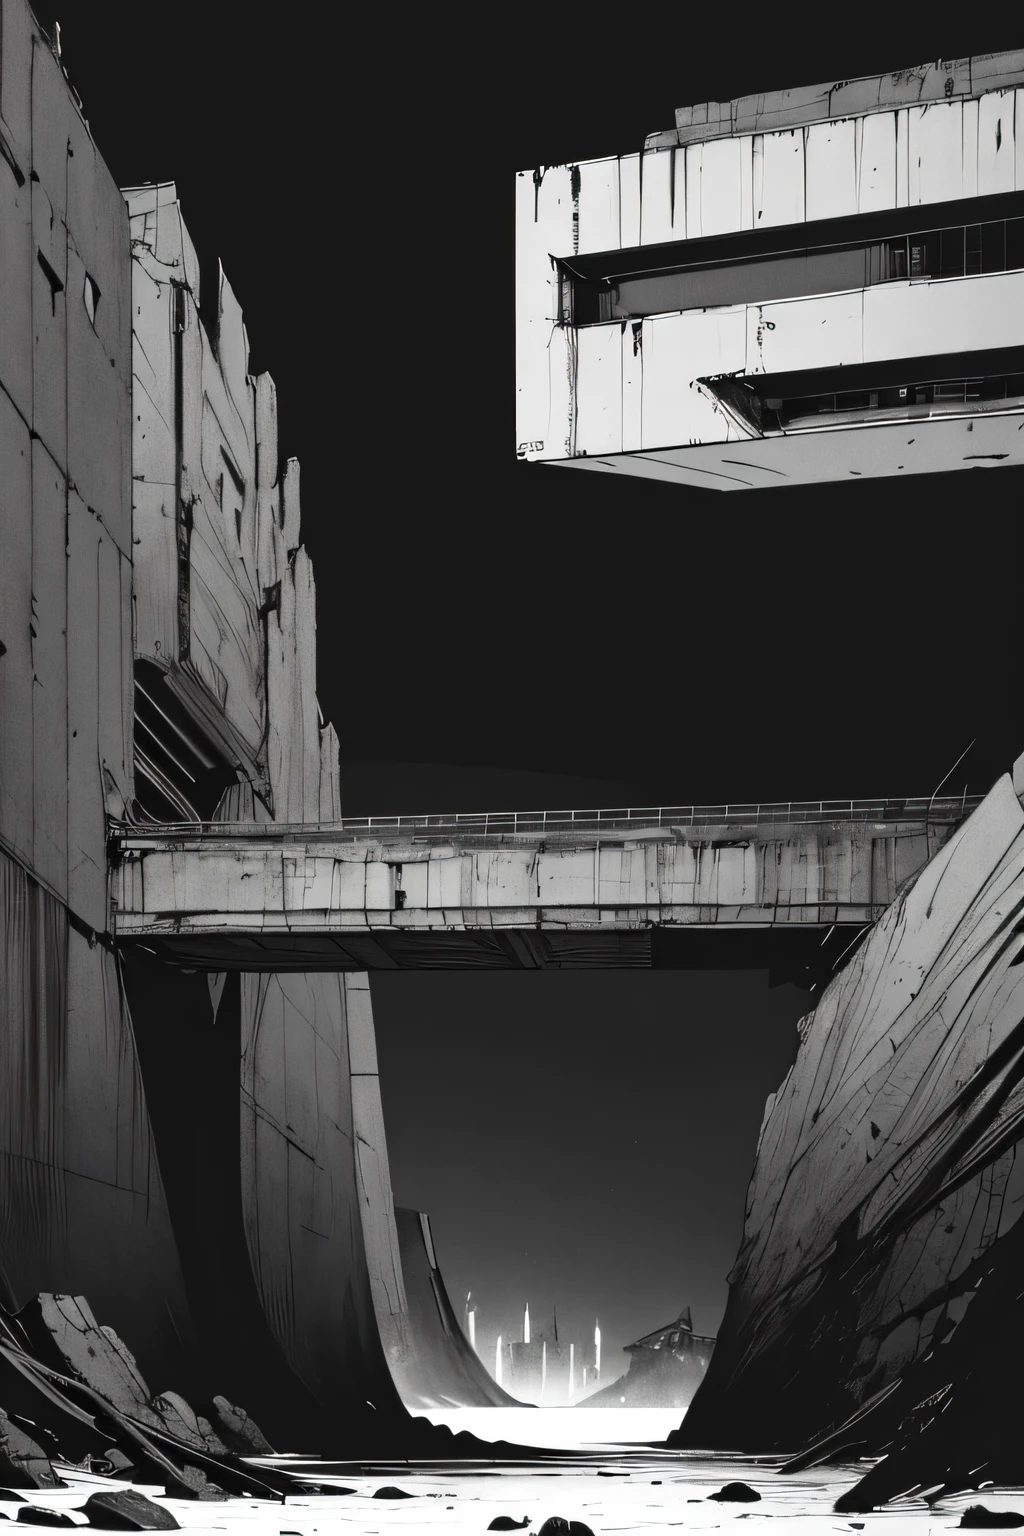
(496, 635)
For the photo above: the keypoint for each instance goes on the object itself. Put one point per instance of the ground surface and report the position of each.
(620, 1489)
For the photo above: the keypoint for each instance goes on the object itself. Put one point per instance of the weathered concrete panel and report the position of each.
(17, 256)
(49, 329)
(831, 169)
(49, 671)
(995, 143)
(16, 83)
(936, 152)
(629, 201)
(876, 163)
(598, 220)
(818, 332)
(956, 314)
(16, 687)
(720, 183)
(673, 411)
(599, 393)
(330, 776)
(780, 197)
(656, 203)
(81, 1204)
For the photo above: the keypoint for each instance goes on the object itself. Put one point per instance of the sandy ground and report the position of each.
(614, 1489)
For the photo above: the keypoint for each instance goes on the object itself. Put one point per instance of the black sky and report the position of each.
(495, 634)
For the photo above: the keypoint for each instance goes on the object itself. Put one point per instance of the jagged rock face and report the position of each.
(23, 1463)
(886, 1166)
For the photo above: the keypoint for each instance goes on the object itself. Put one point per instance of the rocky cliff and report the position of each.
(873, 1303)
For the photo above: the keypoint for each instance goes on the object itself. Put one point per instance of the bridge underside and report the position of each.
(803, 953)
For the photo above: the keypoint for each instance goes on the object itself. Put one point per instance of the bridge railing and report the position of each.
(918, 809)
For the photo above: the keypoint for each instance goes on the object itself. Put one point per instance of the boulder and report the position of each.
(736, 1493)
(239, 1432)
(193, 1483)
(125, 1509)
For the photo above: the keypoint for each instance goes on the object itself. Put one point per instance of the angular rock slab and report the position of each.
(125, 1509)
(23, 1463)
(886, 1163)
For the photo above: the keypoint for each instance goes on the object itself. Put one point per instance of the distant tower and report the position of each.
(597, 1351)
(497, 1361)
(471, 1319)
(572, 1370)
(543, 1368)
(526, 1325)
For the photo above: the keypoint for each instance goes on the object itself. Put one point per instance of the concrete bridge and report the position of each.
(517, 890)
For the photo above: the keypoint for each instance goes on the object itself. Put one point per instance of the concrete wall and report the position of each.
(222, 579)
(226, 603)
(81, 1202)
(93, 1199)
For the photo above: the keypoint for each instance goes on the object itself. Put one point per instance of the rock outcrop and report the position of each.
(435, 1366)
(874, 1303)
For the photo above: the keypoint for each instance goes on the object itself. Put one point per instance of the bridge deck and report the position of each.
(515, 889)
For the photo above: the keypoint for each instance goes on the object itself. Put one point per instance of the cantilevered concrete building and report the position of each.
(804, 285)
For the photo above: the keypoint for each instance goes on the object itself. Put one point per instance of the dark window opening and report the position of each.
(927, 393)
(179, 774)
(991, 379)
(653, 286)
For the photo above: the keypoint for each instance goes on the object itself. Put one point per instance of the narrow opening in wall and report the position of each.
(558, 1280)
(91, 295)
(56, 286)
